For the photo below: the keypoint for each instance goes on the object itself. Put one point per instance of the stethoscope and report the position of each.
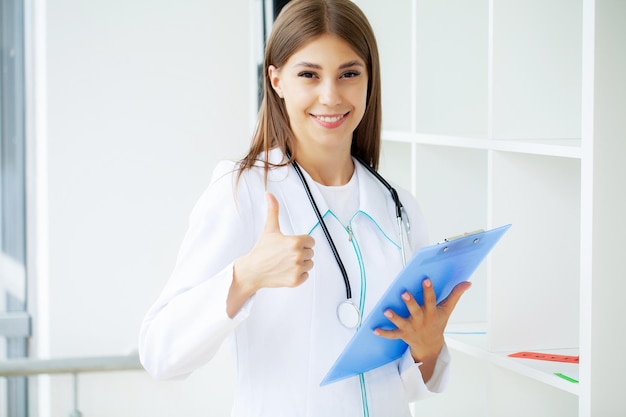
(348, 312)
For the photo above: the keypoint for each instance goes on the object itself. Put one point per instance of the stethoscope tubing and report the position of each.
(392, 191)
(394, 195)
(322, 223)
(396, 201)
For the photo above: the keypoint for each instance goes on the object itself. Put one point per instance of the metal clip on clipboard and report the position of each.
(450, 239)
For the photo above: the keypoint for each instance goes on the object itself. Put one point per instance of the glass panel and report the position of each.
(13, 394)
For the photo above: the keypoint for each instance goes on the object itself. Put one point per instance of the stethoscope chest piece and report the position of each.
(348, 314)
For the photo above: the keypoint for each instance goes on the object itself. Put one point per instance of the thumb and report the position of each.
(271, 223)
(450, 302)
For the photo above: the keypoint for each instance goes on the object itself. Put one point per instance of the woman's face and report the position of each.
(324, 86)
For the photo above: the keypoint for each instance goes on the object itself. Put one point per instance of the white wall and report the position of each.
(143, 97)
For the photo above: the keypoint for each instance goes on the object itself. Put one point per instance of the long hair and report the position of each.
(300, 22)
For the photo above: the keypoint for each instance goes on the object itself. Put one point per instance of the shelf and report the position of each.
(564, 148)
(472, 339)
(513, 120)
(535, 66)
(538, 260)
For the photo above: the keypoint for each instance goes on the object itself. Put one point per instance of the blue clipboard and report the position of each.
(447, 264)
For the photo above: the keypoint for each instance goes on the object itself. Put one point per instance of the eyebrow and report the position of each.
(345, 65)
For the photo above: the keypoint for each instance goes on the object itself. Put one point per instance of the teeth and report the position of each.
(329, 119)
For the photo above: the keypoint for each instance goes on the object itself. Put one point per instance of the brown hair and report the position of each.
(298, 23)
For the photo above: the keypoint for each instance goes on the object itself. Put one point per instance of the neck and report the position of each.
(327, 169)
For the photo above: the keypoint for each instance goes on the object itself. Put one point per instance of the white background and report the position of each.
(140, 99)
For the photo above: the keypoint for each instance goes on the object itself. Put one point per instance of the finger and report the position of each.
(451, 300)
(411, 303)
(307, 254)
(388, 334)
(430, 298)
(308, 264)
(397, 320)
(308, 242)
(271, 223)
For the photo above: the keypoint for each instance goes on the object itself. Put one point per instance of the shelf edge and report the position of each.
(533, 147)
(502, 361)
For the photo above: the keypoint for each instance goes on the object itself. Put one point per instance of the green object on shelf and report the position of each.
(567, 378)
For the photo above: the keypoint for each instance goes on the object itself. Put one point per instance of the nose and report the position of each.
(329, 94)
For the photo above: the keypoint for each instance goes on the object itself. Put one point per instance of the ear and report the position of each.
(273, 74)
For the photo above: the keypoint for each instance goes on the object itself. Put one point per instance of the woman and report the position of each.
(256, 266)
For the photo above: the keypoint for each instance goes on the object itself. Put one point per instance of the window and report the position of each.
(269, 10)
(14, 320)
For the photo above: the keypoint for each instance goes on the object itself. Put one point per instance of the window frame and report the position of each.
(15, 320)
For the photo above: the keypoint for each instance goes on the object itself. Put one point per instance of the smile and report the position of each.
(330, 120)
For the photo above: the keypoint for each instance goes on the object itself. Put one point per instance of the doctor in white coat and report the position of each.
(297, 228)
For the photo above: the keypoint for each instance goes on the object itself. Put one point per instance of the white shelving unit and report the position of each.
(514, 111)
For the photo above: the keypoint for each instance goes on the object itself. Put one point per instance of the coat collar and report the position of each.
(375, 202)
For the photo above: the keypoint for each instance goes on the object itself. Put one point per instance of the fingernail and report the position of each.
(377, 332)
(388, 314)
(428, 283)
(406, 296)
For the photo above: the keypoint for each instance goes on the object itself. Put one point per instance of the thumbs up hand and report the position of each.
(276, 260)
(279, 260)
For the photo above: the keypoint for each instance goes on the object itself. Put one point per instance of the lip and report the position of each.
(330, 121)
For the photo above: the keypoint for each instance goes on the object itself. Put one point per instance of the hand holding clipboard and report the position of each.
(446, 264)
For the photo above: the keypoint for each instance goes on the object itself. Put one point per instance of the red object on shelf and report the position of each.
(545, 357)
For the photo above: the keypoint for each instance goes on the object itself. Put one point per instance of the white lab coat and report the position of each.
(286, 339)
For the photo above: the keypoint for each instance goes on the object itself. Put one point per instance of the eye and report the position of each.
(307, 74)
(350, 74)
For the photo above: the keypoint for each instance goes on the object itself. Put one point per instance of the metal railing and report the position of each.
(74, 366)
